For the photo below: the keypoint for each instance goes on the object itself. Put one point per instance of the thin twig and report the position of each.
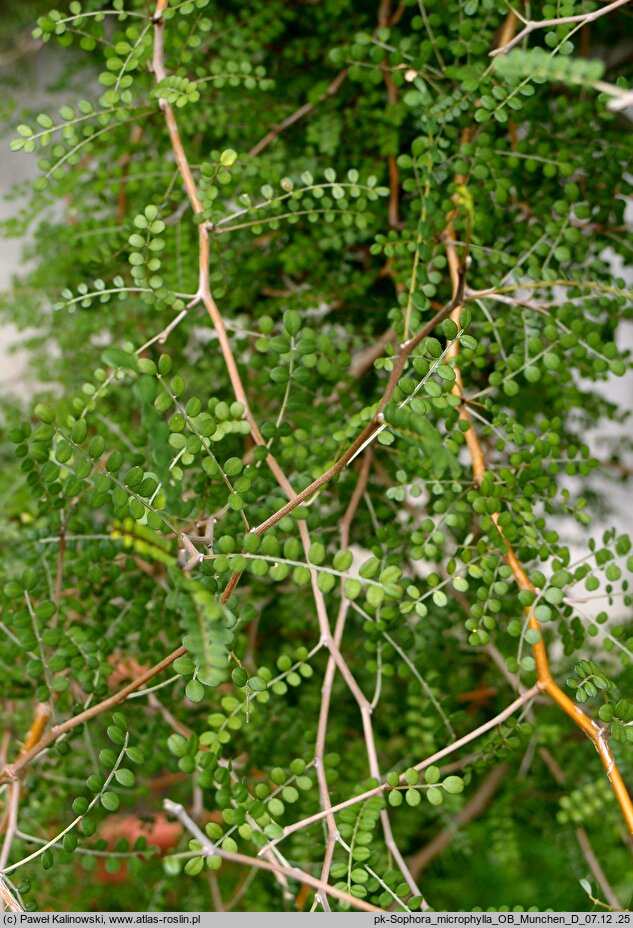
(335, 662)
(10, 772)
(13, 804)
(319, 750)
(25, 45)
(594, 865)
(164, 334)
(7, 898)
(216, 895)
(366, 435)
(524, 698)
(328, 679)
(211, 850)
(531, 25)
(241, 890)
(594, 732)
(473, 808)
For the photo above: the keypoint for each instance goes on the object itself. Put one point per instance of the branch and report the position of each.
(359, 443)
(13, 804)
(532, 25)
(25, 45)
(7, 899)
(164, 334)
(34, 734)
(158, 66)
(594, 865)
(31, 745)
(11, 772)
(328, 679)
(365, 707)
(596, 733)
(373, 426)
(524, 698)
(211, 850)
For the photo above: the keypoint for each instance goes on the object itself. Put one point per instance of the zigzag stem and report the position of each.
(596, 733)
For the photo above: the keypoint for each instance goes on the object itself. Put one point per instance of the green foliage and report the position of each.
(236, 275)
(589, 681)
(540, 66)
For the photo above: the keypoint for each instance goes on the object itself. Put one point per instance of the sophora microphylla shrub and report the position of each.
(321, 302)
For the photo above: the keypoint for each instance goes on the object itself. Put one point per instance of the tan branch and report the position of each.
(25, 45)
(293, 873)
(11, 771)
(330, 671)
(596, 870)
(34, 734)
(7, 899)
(594, 732)
(13, 804)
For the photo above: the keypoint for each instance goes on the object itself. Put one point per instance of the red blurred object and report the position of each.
(159, 833)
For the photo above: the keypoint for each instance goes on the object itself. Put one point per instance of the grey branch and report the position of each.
(533, 25)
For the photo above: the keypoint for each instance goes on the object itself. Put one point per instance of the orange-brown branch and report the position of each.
(35, 732)
(508, 29)
(594, 732)
(544, 677)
